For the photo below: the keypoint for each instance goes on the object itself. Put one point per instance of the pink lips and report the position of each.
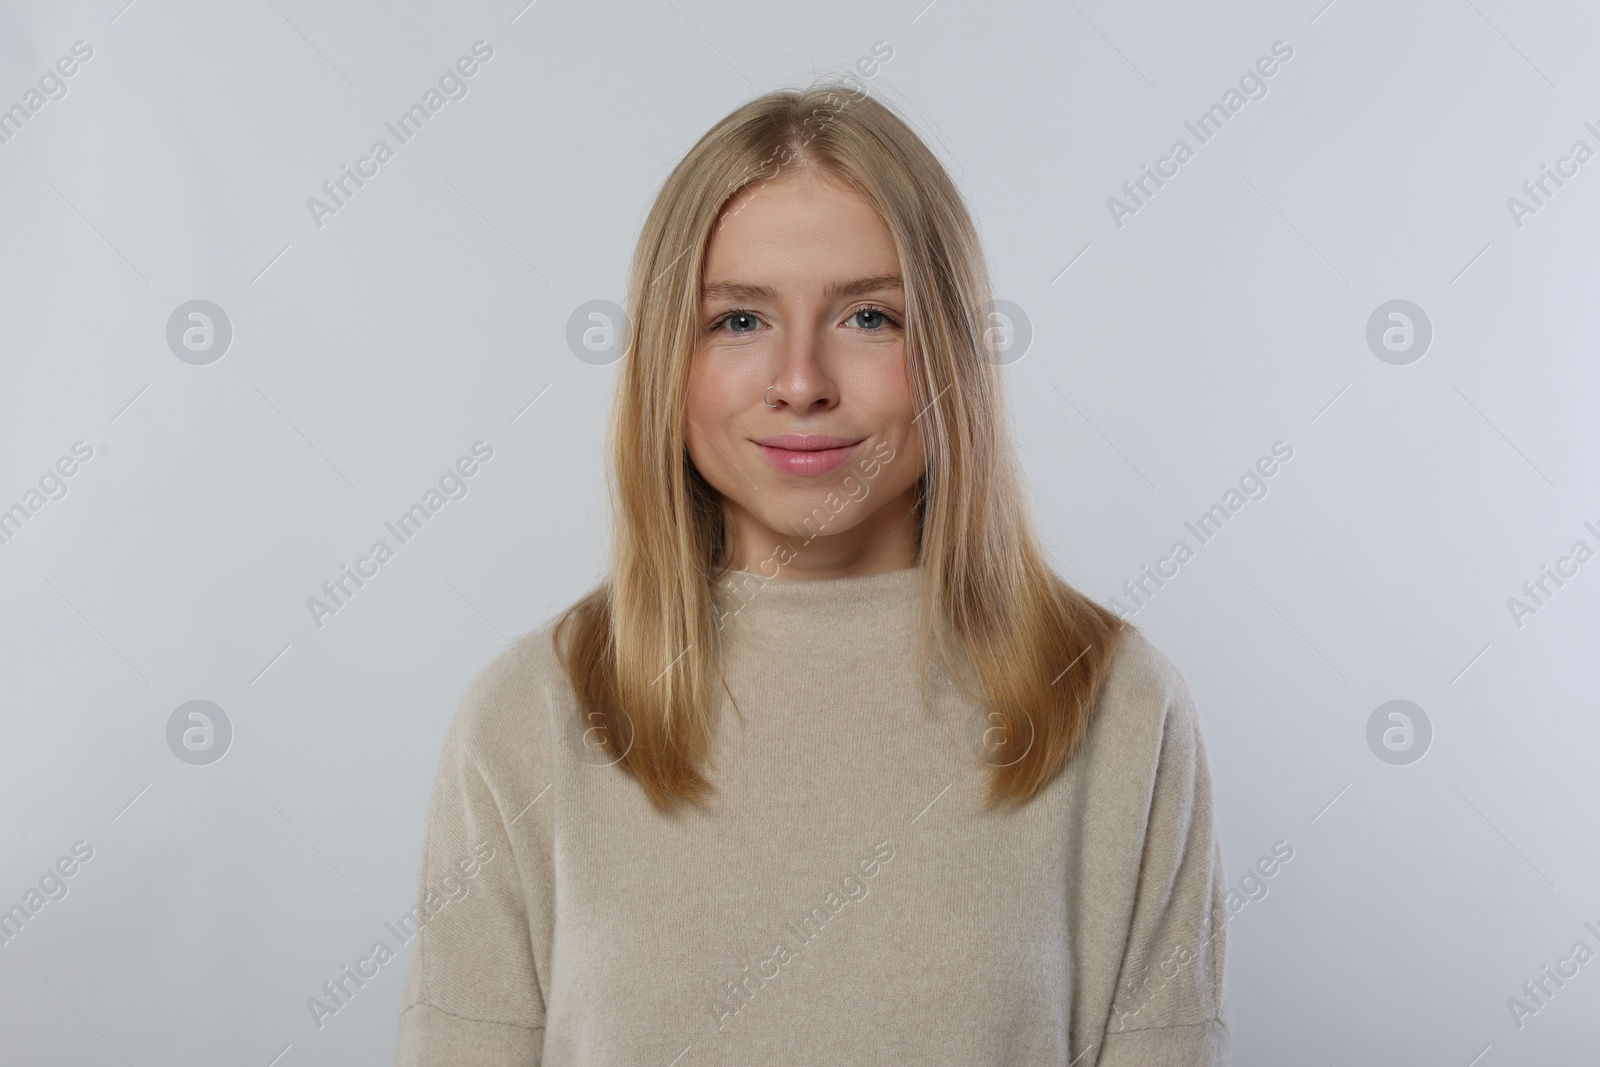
(807, 454)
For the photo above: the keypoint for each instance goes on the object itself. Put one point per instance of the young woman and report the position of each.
(833, 769)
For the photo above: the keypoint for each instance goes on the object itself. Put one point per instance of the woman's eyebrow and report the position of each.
(872, 283)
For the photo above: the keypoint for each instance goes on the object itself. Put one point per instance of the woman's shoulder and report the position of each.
(1146, 702)
(507, 705)
(1140, 665)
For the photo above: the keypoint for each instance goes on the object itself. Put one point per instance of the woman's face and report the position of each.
(803, 303)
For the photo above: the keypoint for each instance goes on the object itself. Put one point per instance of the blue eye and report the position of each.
(876, 318)
(748, 318)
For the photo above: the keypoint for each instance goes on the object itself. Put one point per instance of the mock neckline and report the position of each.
(808, 591)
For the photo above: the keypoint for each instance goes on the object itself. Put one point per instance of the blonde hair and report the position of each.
(642, 649)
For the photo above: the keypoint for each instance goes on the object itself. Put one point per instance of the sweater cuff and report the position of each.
(1198, 1045)
(430, 1036)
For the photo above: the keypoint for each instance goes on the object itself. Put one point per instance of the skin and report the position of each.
(838, 363)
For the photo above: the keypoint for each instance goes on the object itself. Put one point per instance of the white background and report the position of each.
(368, 354)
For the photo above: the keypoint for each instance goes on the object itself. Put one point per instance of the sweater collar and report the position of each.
(747, 593)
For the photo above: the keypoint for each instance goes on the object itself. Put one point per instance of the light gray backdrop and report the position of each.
(1442, 453)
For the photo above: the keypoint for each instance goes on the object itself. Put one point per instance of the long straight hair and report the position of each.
(642, 649)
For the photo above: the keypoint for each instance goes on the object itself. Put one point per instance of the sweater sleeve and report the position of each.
(1170, 1007)
(472, 992)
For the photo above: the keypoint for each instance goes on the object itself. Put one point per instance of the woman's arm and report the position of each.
(1168, 1007)
(472, 992)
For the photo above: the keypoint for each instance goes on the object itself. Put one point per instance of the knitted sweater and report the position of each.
(846, 900)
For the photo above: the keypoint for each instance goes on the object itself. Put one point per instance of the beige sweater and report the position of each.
(847, 901)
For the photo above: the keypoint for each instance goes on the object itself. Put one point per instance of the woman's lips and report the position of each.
(807, 455)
